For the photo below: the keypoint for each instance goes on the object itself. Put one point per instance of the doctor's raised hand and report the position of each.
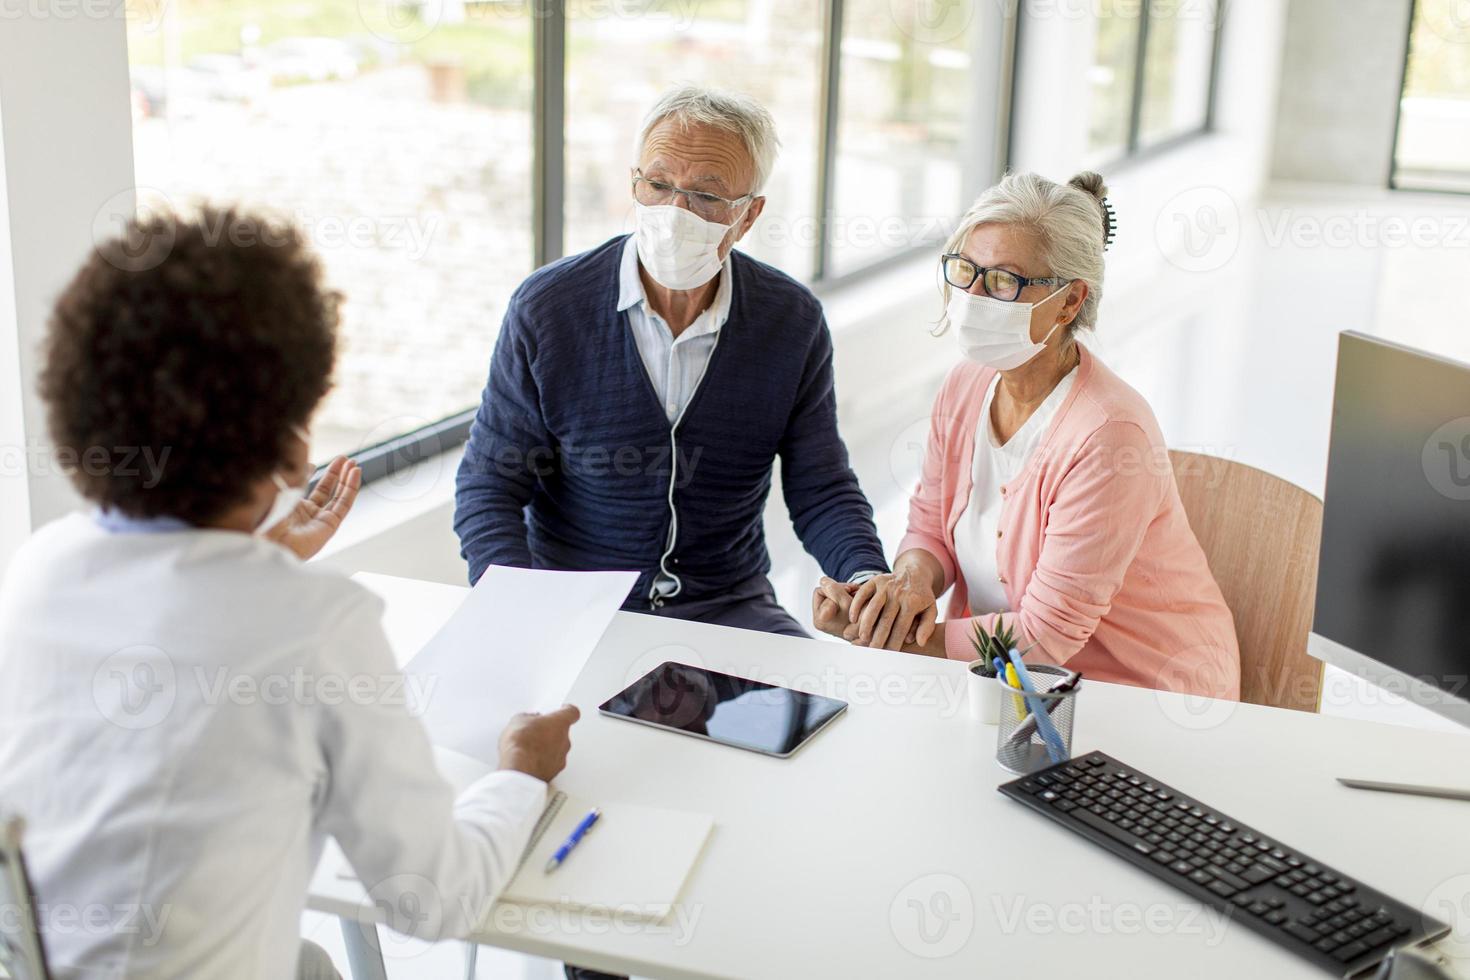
(304, 522)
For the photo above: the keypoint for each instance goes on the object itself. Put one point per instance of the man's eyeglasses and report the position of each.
(999, 284)
(711, 207)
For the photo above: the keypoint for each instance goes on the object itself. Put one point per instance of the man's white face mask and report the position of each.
(677, 247)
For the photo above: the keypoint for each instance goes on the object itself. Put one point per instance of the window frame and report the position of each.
(1398, 116)
(1136, 151)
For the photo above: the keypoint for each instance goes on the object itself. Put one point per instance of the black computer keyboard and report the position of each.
(1334, 921)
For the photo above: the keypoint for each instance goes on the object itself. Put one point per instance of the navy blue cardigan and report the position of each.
(569, 458)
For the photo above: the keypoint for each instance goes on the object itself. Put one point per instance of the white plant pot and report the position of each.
(984, 695)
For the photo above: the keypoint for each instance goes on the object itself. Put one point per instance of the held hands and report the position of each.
(537, 745)
(891, 610)
(313, 522)
(830, 605)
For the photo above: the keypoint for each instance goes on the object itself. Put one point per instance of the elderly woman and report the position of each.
(1047, 495)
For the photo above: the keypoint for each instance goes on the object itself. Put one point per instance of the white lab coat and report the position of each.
(184, 717)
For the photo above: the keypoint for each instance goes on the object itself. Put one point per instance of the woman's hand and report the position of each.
(311, 525)
(830, 603)
(890, 611)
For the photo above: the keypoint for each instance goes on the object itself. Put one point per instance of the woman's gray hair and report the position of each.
(735, 113)
(1067, 220)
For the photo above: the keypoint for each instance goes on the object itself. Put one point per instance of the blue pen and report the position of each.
(572, 841)
(1055, 748)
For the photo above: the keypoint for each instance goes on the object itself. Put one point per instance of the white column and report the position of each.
(65, 155)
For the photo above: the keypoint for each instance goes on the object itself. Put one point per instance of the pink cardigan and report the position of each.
(1095, 553)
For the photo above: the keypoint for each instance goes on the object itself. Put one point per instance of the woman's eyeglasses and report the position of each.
(999, 284)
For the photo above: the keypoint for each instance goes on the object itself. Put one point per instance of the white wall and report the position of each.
(66, 133)
(1343, 66)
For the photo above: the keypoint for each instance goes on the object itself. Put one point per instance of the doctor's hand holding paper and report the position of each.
(1047, 494)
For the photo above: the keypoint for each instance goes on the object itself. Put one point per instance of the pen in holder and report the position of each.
(1035, 729)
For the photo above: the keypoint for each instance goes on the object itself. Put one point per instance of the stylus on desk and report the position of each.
(1442, 792)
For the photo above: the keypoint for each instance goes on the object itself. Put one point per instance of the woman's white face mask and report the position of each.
(677, 247)
(996, 333)
(287, 496)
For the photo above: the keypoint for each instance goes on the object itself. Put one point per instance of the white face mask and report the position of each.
(677, 247)
(287, 496)
(995, 333)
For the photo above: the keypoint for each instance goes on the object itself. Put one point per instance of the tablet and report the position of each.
(731, 710)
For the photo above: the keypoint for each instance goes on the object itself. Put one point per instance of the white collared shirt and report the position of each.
(185, 716)
(675, 365)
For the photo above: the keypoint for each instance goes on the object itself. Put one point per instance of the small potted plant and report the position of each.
(984, 691)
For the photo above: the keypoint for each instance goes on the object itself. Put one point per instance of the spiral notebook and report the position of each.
(633, 863)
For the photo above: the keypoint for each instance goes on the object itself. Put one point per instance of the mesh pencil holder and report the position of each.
(1022, 744)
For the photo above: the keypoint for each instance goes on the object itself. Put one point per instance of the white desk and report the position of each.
(820, 865)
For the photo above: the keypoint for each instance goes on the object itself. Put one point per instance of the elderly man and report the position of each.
(640, 392)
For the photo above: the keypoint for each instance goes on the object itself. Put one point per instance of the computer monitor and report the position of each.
(1393, 589)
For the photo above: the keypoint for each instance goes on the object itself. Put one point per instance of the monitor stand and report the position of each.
(1444, 792)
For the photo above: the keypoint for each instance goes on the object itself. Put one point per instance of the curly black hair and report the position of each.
(196, 344)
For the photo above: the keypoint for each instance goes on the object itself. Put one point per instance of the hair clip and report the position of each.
(1110, 224)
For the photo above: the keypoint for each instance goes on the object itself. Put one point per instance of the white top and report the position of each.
(978, 531)
(185, 715)
(675, 364)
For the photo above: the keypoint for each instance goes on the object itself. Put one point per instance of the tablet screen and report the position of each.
(733, 710)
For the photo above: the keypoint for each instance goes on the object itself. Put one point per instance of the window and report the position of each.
(1432, 150)
(401, 147)
(1151, 74)
(409, 140)
(622, 56)
(904, 102)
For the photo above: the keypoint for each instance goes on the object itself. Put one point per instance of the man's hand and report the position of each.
(537, 745)
(890, 610)
(311, 525)
(830, 603)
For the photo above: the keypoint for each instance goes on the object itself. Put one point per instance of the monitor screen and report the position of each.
(1394, 581)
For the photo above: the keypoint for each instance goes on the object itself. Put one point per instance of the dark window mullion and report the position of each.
(1135, 115)
(830, 110)
(549, 104)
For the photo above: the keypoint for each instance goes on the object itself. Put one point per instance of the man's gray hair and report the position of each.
(731, 111)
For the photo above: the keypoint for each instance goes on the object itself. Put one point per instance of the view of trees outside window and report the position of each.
(1433, 151)
(905, 98)
(1178, 59)
(621, 57)
(398, 139)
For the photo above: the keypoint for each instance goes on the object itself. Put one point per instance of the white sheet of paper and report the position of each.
(516, 643)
